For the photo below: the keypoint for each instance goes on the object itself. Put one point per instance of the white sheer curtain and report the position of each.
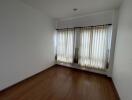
(65, 46)
(95, 46)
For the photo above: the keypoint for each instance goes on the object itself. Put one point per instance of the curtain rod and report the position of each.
(84, 27)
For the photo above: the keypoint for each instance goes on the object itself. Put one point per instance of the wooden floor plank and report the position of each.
(61, 83)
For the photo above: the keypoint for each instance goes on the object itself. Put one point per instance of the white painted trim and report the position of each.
(76, 66)
(50, 65)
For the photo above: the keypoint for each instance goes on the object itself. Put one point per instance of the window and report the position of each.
(88, 46)
(95, 46)
(65, 45)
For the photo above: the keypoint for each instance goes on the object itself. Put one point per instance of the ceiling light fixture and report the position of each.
(75, 9)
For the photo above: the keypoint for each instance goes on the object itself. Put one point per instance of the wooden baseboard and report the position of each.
(114, 88)
(84, 69)
(20, 82)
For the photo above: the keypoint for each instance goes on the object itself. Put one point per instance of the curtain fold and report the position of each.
(85, 42)
(65, 44)
(95, 46)
(87, 46)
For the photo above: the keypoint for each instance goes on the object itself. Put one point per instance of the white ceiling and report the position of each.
(64, 8)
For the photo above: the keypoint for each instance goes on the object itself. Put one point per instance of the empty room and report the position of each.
(65, 49)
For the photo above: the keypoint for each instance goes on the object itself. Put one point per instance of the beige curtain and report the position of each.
(65, 46)
(95, 46)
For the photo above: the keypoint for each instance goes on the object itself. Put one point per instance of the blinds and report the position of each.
(92, 45)
(65, 45)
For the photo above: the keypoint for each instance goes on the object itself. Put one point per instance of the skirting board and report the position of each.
(35, 73)
(76, 66)
(115, 89)
(113, 85)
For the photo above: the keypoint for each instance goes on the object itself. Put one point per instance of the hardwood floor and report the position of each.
(61, 83)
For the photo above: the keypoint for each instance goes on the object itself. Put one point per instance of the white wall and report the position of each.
(122, 71)
(99, 18)
(86, 20)
(113, 41)
(26, 42)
